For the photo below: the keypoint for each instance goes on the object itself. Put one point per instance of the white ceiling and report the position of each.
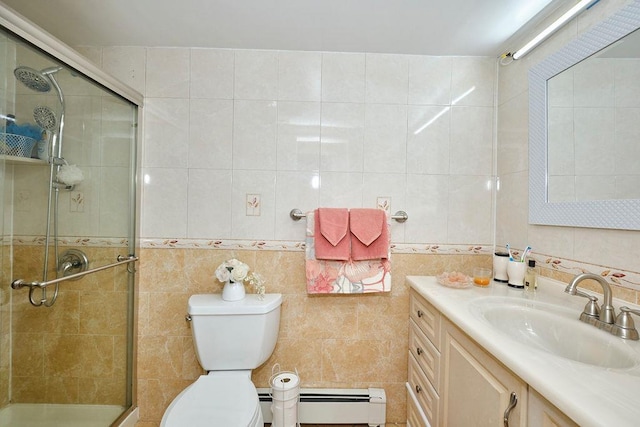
(429, 27)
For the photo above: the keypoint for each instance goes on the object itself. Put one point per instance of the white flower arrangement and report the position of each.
(236, 271)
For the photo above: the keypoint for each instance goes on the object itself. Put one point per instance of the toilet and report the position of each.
(231, 339)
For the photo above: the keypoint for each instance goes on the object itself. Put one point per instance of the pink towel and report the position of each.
(369, 234)
(330, 232)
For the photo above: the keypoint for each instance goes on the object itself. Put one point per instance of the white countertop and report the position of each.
(590, 395)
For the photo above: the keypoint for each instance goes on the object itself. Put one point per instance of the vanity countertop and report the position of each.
(590, 395)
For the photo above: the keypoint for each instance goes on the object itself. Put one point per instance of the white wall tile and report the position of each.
(209, 204)
(309, 129)
(430, 80)
(385, 144)
(164, 212)
(513, 135)
(472, 81)
(127, 64)
(343, 77)
(427, 202)
(254, 135)
(113, 213)
(470, 209)
(166, 137)
(294, 190)
(428, 139)
(167, 73)
(512, 210)
(212, 73)
(342, 137)
(298, 140)
(340, 189)
(471, 141)
(299, 76)
(256, 74)
(387, 78)
(116, 132)
(83, 130)
(210, 133)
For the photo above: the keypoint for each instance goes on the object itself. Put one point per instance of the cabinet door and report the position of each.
(542, 413)
(476, 388)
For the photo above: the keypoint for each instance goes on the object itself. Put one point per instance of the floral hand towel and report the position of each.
(344, 277)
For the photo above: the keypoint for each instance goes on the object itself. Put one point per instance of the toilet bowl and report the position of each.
(231, 339)
(225, 400)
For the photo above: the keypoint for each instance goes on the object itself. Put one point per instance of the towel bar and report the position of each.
(400, 216)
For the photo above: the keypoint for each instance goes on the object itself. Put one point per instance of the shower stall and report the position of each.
(68, 162)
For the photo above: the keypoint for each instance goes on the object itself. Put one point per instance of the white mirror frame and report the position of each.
(617, 214)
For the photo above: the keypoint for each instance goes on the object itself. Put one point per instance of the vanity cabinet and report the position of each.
(452, 381)
(543, 414)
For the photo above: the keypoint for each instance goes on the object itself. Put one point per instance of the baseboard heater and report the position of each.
(334, 406)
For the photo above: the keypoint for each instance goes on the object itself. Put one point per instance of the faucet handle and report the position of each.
(624, 326)
(591, 309)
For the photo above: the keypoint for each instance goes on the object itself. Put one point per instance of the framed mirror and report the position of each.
(584, 129)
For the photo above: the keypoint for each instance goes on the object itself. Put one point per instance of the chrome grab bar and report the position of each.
(19, 283)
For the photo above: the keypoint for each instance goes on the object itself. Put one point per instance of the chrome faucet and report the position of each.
(606, 315)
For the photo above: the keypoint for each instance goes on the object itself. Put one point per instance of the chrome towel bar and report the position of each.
(400, 216)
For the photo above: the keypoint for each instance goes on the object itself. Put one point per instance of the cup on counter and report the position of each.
(481, 276)
(516, 271)
(500, 262)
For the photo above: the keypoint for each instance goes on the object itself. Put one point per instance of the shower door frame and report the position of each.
(34, 35)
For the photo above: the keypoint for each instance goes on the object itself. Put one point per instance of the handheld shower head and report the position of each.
(45, 118)
(33, 79)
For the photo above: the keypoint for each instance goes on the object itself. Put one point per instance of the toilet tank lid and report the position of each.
(213, 304)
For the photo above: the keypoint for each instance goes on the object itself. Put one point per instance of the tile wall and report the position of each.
(224, 129)
(75, 351)
(335, 342)
(308, 129)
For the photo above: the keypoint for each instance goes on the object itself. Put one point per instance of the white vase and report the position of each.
(233, 291)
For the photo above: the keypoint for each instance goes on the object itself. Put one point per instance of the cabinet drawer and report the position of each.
(425, 394)
(426, 317)
(426, 355)
(415, 415)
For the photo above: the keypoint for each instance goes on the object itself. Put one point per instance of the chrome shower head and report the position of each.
(45, 118)
(33, 79)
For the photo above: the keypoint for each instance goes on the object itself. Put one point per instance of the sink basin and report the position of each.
(555, 330)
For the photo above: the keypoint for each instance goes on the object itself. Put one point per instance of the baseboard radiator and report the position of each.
(334, 406)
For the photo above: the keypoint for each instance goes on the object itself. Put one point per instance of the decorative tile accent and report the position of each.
(76, 202)
(253, 205)
(384, 203)
(67, 241)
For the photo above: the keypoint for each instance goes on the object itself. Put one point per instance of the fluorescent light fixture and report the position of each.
(559, 23)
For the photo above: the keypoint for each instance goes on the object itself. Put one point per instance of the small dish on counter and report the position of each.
(454, 280)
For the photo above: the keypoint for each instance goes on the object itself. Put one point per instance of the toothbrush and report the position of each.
(525, 253)
(510, 255)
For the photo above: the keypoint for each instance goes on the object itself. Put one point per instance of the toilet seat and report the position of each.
(230, 401)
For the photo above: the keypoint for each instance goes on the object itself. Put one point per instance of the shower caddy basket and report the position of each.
(16, 145)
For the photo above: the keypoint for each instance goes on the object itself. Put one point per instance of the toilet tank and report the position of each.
(234, 335)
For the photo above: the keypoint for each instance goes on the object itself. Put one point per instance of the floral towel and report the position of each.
(344, 277)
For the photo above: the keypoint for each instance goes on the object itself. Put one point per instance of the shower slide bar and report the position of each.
(400, 216)
(20, 283)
